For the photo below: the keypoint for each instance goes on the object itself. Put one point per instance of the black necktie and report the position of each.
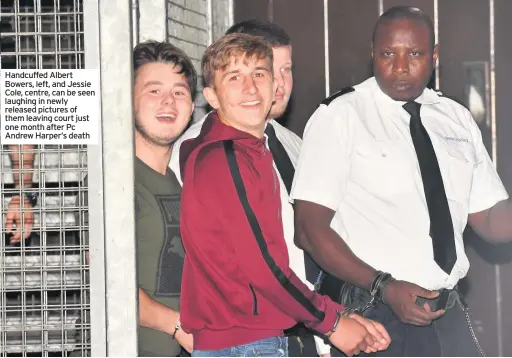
(441, 226)
(287, 171)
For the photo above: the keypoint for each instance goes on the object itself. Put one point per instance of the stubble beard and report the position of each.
(153, 139)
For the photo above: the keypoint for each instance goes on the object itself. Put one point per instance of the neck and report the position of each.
(154, 156)
(254, 131)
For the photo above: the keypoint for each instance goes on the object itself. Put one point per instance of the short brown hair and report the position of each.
(163, 52)
(219, 54)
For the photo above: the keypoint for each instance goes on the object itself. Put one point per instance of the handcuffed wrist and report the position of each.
(176, 328)
(379, 284)
(32, 198)
(339, 314)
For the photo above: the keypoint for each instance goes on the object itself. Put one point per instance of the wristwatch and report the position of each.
(177, 328)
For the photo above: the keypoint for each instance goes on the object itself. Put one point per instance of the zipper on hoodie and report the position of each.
(254, 301)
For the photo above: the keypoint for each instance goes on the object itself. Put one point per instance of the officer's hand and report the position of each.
(401, 296)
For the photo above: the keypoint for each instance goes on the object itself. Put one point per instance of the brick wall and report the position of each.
(189, 28)
(188, 24)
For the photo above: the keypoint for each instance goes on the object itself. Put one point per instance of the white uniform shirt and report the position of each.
(291, 143)
(358, 159)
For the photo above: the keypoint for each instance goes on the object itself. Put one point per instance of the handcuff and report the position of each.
(32, 198)
(176, 329)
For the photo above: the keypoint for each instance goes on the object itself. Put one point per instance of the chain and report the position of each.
(473, 335)
(360, 311)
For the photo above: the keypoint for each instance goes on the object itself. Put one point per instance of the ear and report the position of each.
(211, 97)
(435, 55)
(193, 107)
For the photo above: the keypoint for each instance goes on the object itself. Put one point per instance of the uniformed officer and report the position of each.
(388, 176)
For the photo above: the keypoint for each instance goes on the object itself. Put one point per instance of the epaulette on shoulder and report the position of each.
(440, 94)
(341, 92)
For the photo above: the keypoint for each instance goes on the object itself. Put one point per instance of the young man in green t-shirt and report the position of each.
(164, 86)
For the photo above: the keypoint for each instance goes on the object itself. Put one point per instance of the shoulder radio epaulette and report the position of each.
(336, 95)
(456, 100)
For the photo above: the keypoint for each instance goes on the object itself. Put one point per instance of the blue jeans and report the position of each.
(268, 347)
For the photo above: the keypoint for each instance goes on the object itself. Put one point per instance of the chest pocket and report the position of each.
(381, 168)
(461, 161)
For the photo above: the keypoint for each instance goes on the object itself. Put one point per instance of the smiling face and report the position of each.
(403, 58)
(162, 103)
(243, 92)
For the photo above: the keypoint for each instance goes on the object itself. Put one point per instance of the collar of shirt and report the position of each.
(390, 109)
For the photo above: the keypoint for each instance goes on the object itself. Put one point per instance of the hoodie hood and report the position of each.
(214, 131)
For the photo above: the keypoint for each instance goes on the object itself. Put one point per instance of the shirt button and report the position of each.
(383, 155)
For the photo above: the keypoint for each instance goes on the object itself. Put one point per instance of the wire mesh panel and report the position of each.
(44, 280)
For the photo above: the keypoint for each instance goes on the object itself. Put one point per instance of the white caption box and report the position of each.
(50, 106)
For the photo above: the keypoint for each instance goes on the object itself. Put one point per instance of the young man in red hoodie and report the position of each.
(238, 292)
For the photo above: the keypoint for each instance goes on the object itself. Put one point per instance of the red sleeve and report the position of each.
(212, 213)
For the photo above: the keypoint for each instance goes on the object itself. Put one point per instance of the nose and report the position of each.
(401, 64)
(168, 98)
(249, 85)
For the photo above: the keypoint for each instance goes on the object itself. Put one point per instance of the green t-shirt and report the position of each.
(160, 253)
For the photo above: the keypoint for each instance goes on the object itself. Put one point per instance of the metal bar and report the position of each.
(231, 13)
(42, 274)
(16, 13)
(494, 154)
(95, 199)
(152, 20)
(436, 34)
(136, 21)
(326, 49)
(118, 176)
(209, 16)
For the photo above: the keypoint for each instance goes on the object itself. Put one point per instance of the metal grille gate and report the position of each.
(44, 280)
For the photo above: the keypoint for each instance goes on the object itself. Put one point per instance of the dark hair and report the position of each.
(220, 53)
(272, 33)
(163, 52)
(406, 13)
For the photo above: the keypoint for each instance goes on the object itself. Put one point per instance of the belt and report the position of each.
(446, 300)
(298, 330)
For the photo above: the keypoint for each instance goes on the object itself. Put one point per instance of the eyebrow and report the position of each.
(182, 84)
(151, 83)
(262, 68)
(160, 83)
(230, 73)
(238, 71)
